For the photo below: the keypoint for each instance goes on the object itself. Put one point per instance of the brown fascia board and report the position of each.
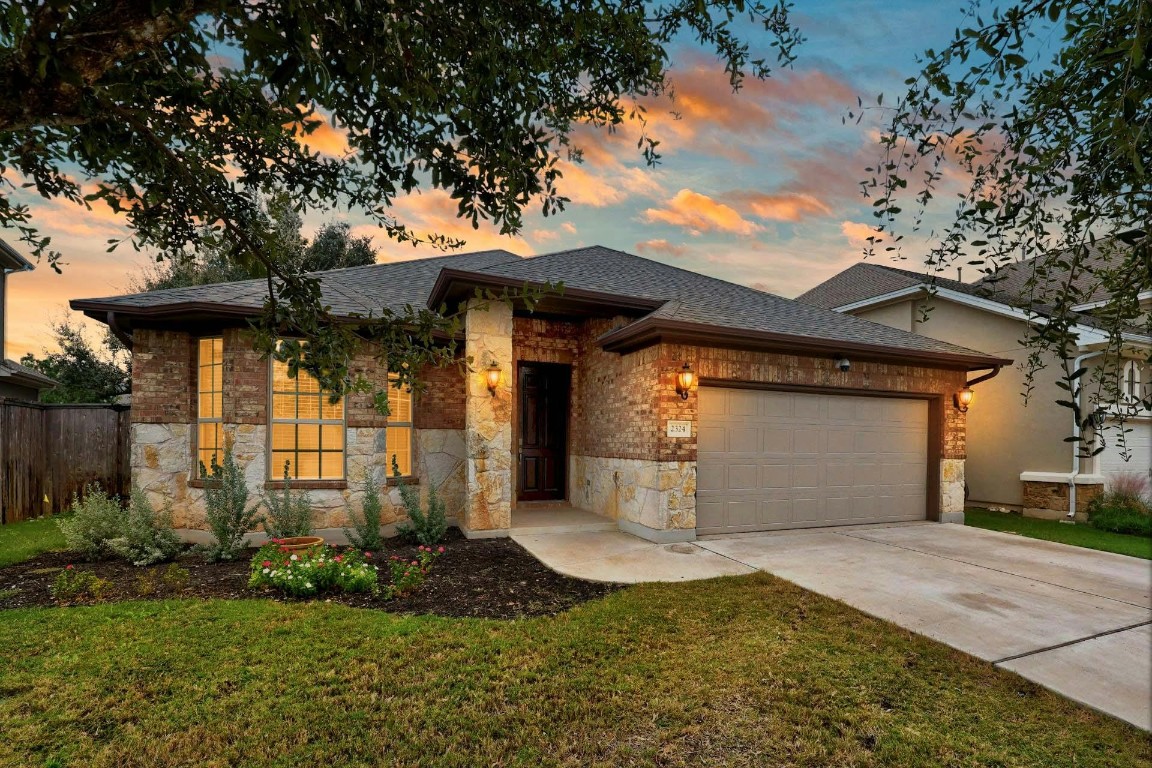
(451, 282)
(649, 331)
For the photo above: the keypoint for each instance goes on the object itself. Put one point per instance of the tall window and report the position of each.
(1130, 390)
(210, 393)
(399, 437)
(307, 429)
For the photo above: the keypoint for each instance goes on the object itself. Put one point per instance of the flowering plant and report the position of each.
(311, 571)
(408, 575)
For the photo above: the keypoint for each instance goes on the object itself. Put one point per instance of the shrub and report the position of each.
(226, 499)
(175, 577)
(365, 530)
(312, 571)
(74, 586)
(1124, 507)
(146, 536)
(289, 512)
(427, 529)
(409, 575)
(92, 522)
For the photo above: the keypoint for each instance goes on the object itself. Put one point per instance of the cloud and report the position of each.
(600, 190)
(326, 138)
(786, 206)
(858, 233)
(568, 227)
(699, 213)
(542, 235)
(663, 248)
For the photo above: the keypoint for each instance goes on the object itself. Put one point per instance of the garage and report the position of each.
(1137, 442)
(771, 460)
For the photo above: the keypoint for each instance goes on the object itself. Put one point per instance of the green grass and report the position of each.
(1080, 534)
(21, 541)
(735, 672)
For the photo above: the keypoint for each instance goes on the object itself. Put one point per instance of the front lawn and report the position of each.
(1080, 534)
(21, 541)
(736, 671)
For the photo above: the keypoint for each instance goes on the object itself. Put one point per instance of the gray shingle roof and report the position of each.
(683, 296)
(25, 375)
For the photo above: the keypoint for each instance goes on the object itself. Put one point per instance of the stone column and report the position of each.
(952, 491)
(488, 421)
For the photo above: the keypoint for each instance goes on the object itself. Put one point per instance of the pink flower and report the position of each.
(68, 567)
(339, 558)
(267, 564)
(441, 550)
(367, 554)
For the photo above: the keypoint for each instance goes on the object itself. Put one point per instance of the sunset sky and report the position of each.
(760, 188)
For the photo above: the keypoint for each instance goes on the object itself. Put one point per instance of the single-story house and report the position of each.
(17, 382)
(672, 402)
(1017, 453)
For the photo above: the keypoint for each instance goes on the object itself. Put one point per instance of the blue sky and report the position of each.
(760, 188)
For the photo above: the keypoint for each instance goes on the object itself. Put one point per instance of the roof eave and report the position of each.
(11, 261)
(649, 331)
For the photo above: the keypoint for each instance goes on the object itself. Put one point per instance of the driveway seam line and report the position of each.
(727, 557)
(1067, 643)
(994, 570)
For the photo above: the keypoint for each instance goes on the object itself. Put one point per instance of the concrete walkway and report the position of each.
(1074, 620)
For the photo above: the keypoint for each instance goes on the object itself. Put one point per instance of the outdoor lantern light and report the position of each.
(963, 399)
(684, 381)
(493, 377)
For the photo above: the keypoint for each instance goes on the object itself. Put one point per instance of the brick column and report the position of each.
(488, 421)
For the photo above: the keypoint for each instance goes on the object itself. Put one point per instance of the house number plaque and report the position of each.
(679, 429)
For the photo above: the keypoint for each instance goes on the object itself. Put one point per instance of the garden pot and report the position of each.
(300, 543)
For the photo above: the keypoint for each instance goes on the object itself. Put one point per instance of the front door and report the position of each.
(543, 454)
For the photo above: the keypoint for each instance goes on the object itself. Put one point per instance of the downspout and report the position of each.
(1077, 364)
(124, 336)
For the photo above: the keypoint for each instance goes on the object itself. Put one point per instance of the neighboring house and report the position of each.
(793, 416)
(1017, 454)
(16, 381)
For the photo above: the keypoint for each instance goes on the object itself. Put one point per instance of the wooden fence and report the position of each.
(49, 452)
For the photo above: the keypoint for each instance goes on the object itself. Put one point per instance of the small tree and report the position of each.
(226, 500)
(92, 521)
(365, 530)
(426, 528)
(289, 512)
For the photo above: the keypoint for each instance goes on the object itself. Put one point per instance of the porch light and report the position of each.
(493, 377)
(684, 381)
(963, 399)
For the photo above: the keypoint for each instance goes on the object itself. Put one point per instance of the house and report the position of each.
(16, 381)
(672, 402)
(1017, 453)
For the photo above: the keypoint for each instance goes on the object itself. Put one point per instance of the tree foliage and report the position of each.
(1045, 107)
(175, 111)
(83, 373)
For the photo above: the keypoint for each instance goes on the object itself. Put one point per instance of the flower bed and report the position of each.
(308, 572)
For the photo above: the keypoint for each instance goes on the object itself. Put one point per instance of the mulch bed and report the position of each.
(479, 578)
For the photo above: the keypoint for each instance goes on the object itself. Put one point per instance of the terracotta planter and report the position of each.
(301, 543)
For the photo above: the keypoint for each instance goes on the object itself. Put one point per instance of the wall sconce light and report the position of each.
(493, 377)
(963, 399)
(684, 380)
(843, 364)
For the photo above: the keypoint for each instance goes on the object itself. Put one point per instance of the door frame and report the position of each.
(936, 416)
(516, 421)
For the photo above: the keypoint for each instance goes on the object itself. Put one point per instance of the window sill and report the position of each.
(307, 485)
(409, 480)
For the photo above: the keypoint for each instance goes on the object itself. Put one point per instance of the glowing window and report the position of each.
(307, 428)
(399, 436)
(210, 403)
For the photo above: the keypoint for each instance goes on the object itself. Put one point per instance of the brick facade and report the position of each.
(163, 376)
(245, 379)
(440, 405)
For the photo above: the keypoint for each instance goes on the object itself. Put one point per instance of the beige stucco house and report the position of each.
(671, 402)
(1017, 453)
(17, 382)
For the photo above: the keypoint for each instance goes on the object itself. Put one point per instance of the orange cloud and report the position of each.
(699, 213)
(542, 235)
(786, 206)
(326, 138)
(858, 233)
(663, 248)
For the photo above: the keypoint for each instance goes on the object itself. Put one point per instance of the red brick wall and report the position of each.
(360, 409)
(163, 376)
(441, 403)
(245, 379)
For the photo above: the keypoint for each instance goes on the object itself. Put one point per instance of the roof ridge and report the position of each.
(412, 261)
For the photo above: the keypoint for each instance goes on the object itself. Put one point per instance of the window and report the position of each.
(399, 438)
(1130, 391)
(210, 408)
(307, 429)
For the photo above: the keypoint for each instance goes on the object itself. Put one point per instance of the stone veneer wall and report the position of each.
(488, 421)
(163, 433)
(1049, 500)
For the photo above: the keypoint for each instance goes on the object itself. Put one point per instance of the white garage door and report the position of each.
(773, 460)
(1138, 444)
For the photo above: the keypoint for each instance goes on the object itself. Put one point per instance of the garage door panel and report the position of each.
(774, 460)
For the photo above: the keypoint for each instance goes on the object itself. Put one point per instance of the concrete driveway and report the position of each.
(1074, 620)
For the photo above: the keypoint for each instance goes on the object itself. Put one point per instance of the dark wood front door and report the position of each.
(543, 448)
